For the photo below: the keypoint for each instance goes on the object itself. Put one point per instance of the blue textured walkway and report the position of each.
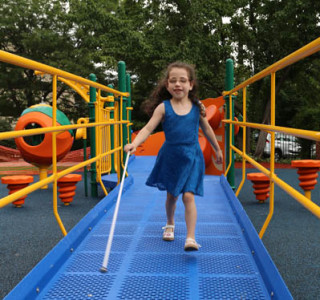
(231, 264)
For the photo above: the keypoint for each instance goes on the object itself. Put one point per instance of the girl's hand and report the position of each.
(130, 147)
(219, 157)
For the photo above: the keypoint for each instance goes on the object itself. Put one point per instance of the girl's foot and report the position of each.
(191, 245)
(168, 234)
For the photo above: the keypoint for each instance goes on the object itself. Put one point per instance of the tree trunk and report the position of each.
(263, 135)
(266, 117)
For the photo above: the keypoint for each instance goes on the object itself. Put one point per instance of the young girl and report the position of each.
(179, 166)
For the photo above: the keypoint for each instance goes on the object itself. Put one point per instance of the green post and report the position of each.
(92, 93)
(229, 85)
(128, 80)
(122, 88)
(111, 104)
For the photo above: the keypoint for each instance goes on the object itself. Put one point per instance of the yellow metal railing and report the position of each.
(101, 125)
(305, 51)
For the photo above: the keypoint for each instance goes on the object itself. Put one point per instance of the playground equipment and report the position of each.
(81, 133)
(215, 114)
(67, 187)
(52, 135)
(294, 57)
(142, 266)
(308, 171)
(207, 282)
(37, 149)
(16, 183)
(261, 186)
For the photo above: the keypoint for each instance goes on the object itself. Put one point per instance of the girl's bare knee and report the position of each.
(188, 198)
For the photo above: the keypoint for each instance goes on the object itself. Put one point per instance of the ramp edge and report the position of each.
(34, 282)
(274, 282)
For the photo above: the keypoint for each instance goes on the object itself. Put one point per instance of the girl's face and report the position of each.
(179, 84)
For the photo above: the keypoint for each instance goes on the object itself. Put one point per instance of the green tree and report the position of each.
(39, 30)
(148, 35)
(267, 31)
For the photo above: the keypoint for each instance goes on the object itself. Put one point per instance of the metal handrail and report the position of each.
(303, 52)
(33, 65)
(292, 58)
(61, 75)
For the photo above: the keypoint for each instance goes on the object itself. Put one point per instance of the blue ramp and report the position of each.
(231, 264)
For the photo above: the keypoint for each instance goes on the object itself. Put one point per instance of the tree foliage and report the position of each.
(267, 31)
(86, 36)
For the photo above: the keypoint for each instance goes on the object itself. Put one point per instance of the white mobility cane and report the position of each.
(114, 220)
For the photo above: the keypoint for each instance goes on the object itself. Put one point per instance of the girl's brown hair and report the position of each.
(160, 93)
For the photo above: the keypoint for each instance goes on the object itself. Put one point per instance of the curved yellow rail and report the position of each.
(102, 126)
(305, 51)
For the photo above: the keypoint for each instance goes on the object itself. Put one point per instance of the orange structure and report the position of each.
(308, 171)
(215, 113)
(67, 187)
(261, 185)
(37, 149)
(152, 144)
(16, 183)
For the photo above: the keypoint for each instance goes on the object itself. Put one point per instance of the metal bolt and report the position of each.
(252, 252)
(90, 228)
(38, 290)
(71, 250)
(272, 294)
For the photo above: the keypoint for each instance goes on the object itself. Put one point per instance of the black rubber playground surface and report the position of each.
(292, 239)
(293, 236)
(30, 232)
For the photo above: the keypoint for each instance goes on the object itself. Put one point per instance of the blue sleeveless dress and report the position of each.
(179, 166)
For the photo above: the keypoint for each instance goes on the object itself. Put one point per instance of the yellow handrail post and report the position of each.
(101, 127)
(244, 137)
(272, 174)
(230, 138)
(54, 155)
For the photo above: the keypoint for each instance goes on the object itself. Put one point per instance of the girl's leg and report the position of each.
(168, 234)
(171, 205)
(190, 214)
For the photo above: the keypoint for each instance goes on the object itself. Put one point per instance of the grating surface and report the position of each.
(142, 266)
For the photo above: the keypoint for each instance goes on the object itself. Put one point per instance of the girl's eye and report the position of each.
(173, 81)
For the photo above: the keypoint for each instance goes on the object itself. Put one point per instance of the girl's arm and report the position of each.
(209, 134)
(144, 133)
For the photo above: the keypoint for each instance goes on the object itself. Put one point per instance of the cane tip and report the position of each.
(103, 270)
